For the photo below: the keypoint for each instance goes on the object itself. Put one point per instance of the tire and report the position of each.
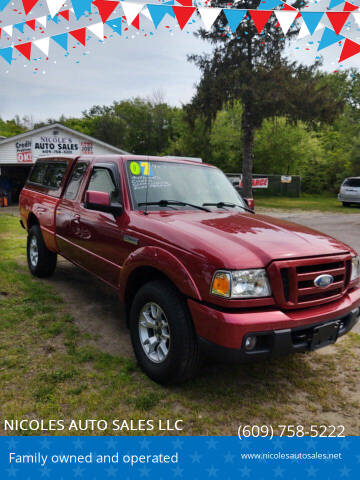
(182, 358)
(41, 261)
(346, 204)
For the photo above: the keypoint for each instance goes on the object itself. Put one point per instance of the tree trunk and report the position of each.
(247, 128)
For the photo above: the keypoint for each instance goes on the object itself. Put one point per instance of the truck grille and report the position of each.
(293, 280)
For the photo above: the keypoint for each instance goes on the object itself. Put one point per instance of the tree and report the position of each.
(252, 68)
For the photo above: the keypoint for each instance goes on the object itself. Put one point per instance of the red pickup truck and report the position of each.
(196, 268)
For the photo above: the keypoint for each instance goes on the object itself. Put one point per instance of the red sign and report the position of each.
(257, 182)
(24, 157)
(87, 148)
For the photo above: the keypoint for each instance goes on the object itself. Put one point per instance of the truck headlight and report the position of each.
(241, 284)
(355, 268)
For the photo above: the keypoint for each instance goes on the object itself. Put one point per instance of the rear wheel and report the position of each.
(41, 261)
(346, 204)
(162, 334)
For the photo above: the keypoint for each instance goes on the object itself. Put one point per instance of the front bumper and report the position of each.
(278, 332)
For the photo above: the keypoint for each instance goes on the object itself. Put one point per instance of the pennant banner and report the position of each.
(286, 15)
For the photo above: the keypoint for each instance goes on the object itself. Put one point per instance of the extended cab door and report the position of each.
(67, 214)
(96, 238)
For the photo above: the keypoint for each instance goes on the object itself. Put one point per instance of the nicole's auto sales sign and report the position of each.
(47, 145)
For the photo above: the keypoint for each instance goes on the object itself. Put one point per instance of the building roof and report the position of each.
(30, 133)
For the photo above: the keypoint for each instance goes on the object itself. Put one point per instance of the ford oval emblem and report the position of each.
(323, 281)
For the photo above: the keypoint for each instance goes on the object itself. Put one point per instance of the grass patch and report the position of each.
(307, 202)
(51, 369)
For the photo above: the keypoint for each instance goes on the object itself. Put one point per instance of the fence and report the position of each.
(270, 185)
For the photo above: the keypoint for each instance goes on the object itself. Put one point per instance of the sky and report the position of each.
(134, 64)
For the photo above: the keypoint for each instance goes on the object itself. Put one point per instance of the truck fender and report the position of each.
(162, 261)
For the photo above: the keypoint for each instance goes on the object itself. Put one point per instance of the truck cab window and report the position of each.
(54, 174)
(101, 181)
(38, 173)
(75, 181)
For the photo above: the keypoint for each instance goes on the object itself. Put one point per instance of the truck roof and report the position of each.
(124, 158)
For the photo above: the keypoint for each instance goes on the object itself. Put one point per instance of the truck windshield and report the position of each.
(153, 181)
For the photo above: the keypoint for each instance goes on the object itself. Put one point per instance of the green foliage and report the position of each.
(322, 153)
(8, 128)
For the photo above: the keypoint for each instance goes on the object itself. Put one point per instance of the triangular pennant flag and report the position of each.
(80, 7)
(131, 10)
(304, 32)
(285, 18)
(183, 15)
(269, 4)
(31, 24)
(3, 4)
(328, 38)
(146, 13)
(54, 19)
(337, 20)
(335, 3)
(115, 24)
(356, 16)
(8, 29)
(158, 12)
(6, 54)
(234, 17)
(208, 16)
(311, 20)
(349, 49)
(105, 7)
(54, 6)
(350, 7)
(62, 40)
(29, 5)
(136, 22)
(80, 35)
(97, 29)
(185, 3)
(24, 49)
(42, 21)
(65, 14)
(260, 18)
(43, 45)
(19, 26)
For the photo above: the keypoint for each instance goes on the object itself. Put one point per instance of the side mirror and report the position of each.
(100, 201)
(250, 203)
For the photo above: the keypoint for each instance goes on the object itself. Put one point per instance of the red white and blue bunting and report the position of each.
(331, 23)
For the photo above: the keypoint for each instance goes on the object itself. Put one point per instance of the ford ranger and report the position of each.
(197, 269)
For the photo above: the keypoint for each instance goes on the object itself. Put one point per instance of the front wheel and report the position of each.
(346, 204)
(41, 261)
(162, 334)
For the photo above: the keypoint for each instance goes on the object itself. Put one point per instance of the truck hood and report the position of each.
(241, 240)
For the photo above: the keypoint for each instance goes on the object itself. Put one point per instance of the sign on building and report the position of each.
(24, 152)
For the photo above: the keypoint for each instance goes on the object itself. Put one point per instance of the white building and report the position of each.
(18, 153)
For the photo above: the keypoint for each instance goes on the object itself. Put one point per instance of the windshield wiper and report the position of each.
(227, 204)
(165, 203)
